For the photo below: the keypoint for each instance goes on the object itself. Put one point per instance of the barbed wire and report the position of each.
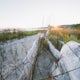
(15, 66)
(66, 71)
(63, 73)
(52, 76)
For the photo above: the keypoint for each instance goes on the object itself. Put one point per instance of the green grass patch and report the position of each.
(77, 26)
(6, 35)
(65, 35)
(43, 44)
(55, 41)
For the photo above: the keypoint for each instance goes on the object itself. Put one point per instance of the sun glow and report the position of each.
(55, 26)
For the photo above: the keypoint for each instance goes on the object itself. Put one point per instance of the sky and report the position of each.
(38, 13)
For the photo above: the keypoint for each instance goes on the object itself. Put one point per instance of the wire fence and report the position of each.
(15, 68)
(61, 74)
(64, 72)
(18, 68)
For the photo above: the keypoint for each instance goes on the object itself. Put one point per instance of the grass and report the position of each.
(67, 34)
(55, 41)
(6, 35)
(43, 44)
(64, 35)
(76, 26)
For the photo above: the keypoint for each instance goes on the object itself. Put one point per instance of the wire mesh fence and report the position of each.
(13, 65)
(21, 69)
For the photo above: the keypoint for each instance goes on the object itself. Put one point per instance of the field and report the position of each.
(7, 34)
(39, 55)
(56, 36)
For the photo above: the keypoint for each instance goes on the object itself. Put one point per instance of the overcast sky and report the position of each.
(37, 13)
